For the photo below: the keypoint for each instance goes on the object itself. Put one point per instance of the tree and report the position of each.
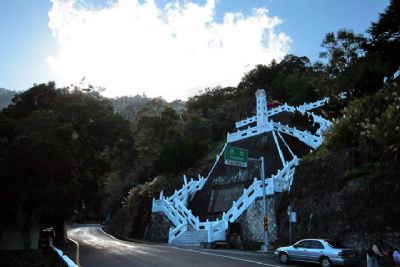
(385, 43)
(342, 50)
(59, 146)
(292, 80)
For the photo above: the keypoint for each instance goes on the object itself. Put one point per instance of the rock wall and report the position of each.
(252, 222)
(335, 198)
(158, 228)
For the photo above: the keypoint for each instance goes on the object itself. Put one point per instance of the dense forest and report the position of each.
(71, 154)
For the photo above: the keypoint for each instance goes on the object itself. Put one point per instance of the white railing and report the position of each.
(313, 141)
(187, 214)
(283, 179)
(242, 134)
(217, 230)
(176, 232)
(177, 212)
(188, 189)
(285, 107)
(162, 205)
(245, 122)
(247, 198)
(309, 106)
(216, 160)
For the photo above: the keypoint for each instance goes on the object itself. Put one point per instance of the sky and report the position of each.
(164, 48)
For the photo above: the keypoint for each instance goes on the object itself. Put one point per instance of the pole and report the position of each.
(262, 170)
(290, 224)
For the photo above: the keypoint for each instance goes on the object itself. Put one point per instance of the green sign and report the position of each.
(236, 156)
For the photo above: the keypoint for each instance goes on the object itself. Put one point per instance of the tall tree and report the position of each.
(59, 146)
(385, 43)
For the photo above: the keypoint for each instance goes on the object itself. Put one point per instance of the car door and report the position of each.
(299, 251)
(315, 250)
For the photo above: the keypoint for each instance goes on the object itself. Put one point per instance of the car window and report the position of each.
(316, 244)
(335, 244)
(303, 244)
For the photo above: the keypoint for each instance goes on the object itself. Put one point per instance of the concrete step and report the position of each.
(191, 238)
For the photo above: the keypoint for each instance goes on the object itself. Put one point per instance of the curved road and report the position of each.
(98, 249)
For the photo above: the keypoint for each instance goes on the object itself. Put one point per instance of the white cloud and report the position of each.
(132, 46)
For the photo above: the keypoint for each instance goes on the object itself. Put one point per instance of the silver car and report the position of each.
(324, 251)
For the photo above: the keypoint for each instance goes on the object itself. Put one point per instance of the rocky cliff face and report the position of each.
(335, 198)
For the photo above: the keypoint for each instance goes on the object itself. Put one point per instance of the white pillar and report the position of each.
(262, 117)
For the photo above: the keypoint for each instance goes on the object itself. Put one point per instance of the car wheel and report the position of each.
(283, 257)
(325, 262)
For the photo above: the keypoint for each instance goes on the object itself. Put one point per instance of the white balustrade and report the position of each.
(175, 206)
(177, 212)
(250, 132)
(304, 136)
(176, 232)
(309, 106)
(188, 189)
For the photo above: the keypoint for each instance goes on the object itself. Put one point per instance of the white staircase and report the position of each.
(191, 237)
(187, 229)
(185, 223)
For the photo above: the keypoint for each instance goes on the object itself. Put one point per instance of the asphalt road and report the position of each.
(98, 249)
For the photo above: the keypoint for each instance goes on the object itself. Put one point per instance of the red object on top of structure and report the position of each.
(273, 104)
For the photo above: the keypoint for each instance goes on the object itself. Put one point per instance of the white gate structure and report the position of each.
(187, 228)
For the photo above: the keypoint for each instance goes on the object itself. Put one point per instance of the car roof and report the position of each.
(313, 239)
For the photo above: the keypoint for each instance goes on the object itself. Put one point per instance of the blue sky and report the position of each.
(27, 42)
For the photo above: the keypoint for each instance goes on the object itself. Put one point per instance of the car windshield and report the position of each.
(335, 244)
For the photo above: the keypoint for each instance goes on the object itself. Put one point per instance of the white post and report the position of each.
(209, 232)
(290, 224)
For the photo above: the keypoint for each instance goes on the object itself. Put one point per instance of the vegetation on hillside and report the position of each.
(57, 148)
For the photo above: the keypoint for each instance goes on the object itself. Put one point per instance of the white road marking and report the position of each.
(107, 234)
(229, 257)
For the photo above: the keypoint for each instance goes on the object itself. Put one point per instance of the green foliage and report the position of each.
(293, 80)
(342, 50)
(385, 43)
(370, 125)
(128, 107)
(56, 147)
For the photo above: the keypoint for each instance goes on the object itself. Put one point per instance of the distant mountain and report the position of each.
(5, 97)
(129, 106)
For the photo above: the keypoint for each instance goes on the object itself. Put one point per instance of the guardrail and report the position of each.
(64, 258)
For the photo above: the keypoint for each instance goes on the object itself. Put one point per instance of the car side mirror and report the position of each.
(295, 246)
